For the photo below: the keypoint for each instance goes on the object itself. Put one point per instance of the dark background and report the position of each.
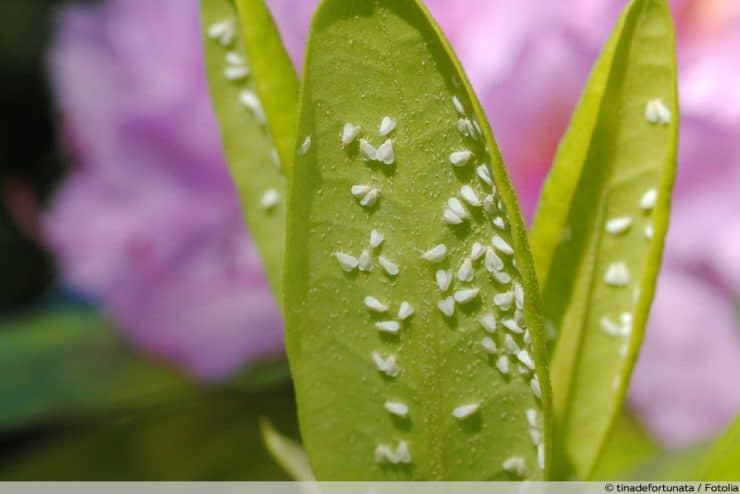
(29, 157)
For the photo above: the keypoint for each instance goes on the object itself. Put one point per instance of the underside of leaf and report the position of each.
(598, 234)
(413, 321)
(249, 149)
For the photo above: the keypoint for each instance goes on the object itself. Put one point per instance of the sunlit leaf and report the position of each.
(598, 234)
(286, 452)
(384, 393)
(244, 109)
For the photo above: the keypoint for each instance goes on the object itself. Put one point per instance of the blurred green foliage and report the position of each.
(71, 364)
(96, 410)
(209, 436)
(627, 448)
(722, 462)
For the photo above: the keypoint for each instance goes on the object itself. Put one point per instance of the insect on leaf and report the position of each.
(412, 315)
(598, 234)
(252, 121)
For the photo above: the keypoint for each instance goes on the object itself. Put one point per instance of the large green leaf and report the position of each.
(71, 364)
(372, 383)
(247, 112)
(722, 462)
(209, 436)
(597, 237)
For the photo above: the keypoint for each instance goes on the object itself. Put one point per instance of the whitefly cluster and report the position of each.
(505, 338)
(236, 71)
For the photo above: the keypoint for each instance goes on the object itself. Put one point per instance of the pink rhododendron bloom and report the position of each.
(149, 222)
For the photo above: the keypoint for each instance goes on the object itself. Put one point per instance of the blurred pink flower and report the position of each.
(148, 222)
(150, 213)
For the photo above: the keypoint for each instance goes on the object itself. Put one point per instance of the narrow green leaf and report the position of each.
(597, 239)
(286, 452)
(372, 381)
(722, 462)
(239, 101)
(275, 79)
(71, 364)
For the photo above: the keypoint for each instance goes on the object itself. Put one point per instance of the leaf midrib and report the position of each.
(427, 402)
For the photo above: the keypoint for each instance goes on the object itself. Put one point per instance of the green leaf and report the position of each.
(722, 460)
(274, 77)
(253, 134)
(286, 452)
(67, 364)
(365, 61)
(609, 160)
(206, 437)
